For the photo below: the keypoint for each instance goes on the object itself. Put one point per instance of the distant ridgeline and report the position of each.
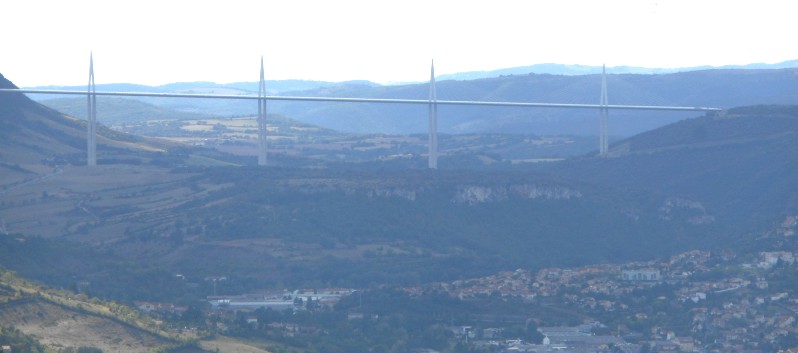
(723, 88)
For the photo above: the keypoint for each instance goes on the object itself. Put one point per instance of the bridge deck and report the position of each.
(366, 100)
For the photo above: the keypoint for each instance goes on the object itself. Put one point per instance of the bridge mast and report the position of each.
(91, 130)
(603, 113)
(262, 118)
(433, 120)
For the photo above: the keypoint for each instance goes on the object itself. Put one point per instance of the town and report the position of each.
(695, 301)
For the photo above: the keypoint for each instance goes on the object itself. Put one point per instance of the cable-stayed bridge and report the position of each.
(603, 108)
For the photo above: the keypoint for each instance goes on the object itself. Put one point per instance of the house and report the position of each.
(665, 347)
(640, 275)
(770, 259)
(778, 296)
(151, 307)
(83, 286)
(491, 333)
(686, 344)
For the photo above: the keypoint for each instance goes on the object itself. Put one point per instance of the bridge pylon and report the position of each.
(433, 120)
(603, 115)
(262, 133)
(91, 124)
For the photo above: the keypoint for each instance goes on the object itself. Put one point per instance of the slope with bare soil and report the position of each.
(57, 326)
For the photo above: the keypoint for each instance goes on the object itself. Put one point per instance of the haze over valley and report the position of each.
(653, 208)
(681, 237)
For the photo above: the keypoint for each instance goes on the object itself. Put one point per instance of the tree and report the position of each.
(532, 333)
(311, 304)
(193, 316)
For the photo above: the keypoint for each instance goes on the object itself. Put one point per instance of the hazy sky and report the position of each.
(47, 42)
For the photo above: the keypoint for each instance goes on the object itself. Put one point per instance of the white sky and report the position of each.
(47, 42)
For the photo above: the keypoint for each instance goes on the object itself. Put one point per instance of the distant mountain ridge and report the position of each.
(279, 86)
(723, 88)
(272, 87)
(712, 88)
(572, 70)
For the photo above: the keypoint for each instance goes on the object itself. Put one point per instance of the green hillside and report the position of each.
(739, 165)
